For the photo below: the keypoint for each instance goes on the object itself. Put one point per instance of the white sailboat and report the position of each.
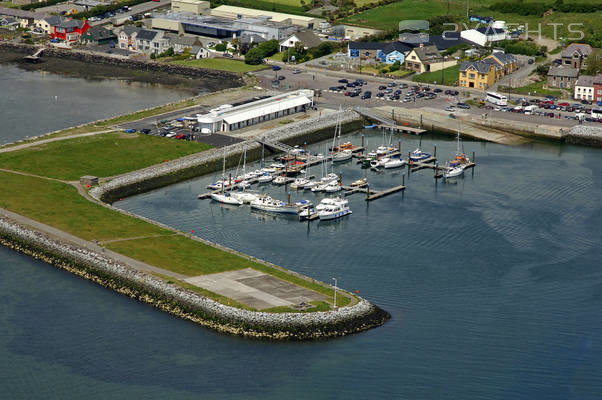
(223, 197)
(340, 155)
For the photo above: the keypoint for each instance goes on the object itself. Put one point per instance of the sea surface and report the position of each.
(37, 102)
(493, 282)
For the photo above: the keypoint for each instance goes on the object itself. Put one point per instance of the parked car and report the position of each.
(450, 109)
(367, 94)
(395, 97)
(281, 77)
(380, 94)
(347, 93)
(146, 131)
(463, 106)
(354, 94)
(181, 136)
(228, 55)
(130, 131)
(437, 90)
(296, 71)
(276, 68)
(403, 85)
(392, 84)
(382, 87)
(343, 81)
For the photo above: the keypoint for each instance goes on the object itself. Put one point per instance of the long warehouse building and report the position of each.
(228, 118)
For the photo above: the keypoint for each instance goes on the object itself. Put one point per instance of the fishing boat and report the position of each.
(397, 162)
(268, 204)
(334, 211)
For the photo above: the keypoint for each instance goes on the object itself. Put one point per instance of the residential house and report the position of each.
(348, 32)
(251, 38)
(308, 38)
(507, 62)
(598, 90)
(10, 23)
(393, 52)
(477, 74)
(70, 30)
(584, 87)
(98, 35)
(181, 43)
(127, 37)
(562, 77)
(25, 18)
(443, 42)
(199, 52)
(575, 55)
(48, 23)
(484, 36)
(364, 50)
(427, 59)
(151, 42)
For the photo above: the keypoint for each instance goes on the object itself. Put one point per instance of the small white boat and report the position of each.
(226, 198)
(359, 182)
(330, 201)
(329, 178)
(452, 172)
(419, 155)
(299, 183)
(243, 184)
(332, 187)
(304, 203)
(265, 178)
(266, 203)
(333, 211)
(310, 185)
(277, 166)
(342, 156)
(379, 163)
(306, 213)
(280, 180)
(245, 197)
(395, 163)
(319, 187)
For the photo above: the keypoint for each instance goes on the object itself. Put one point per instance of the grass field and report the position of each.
(222, 64)
(283, 6)
(450, 75)
(534, 88)
(387, 17)
(102, 155)
(59, 205)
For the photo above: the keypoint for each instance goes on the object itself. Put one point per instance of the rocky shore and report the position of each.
(186, 304)
(585, 135)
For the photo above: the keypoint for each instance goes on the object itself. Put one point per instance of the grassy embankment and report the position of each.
(58, 204)
(535, 88)
(222, 64)
(450, 76)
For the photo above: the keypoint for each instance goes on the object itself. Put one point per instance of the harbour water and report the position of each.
(493, 282)
(37, 102)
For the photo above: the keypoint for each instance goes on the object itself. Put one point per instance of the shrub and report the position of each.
(256, 55)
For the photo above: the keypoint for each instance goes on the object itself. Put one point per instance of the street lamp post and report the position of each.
(335, 292)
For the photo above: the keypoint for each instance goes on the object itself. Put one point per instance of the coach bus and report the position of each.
(497, 99)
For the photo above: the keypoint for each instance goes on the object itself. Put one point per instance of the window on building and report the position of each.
(471, 76)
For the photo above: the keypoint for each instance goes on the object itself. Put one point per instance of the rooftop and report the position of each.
(564, 71)
(579, 48)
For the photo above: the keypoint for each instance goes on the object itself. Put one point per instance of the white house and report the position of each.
(149, 42)
(309, 39)
(584, 87)
(127, 37)
(484, 36)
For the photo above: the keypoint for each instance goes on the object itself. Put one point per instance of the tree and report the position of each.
(300, 47)
(594, 62)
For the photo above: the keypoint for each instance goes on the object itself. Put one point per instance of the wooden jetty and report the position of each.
(370, 195)
(35, 57)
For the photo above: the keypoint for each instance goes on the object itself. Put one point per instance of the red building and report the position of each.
(598, 88)
(70, 30)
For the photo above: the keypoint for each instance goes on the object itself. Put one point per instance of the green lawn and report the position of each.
(102, 155)
(533, 88)
(181, 255)
(387, 17)
(222, 64)
(59, 205)
(283, 6)
(450, 76)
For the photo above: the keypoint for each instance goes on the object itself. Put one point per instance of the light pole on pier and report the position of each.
(335, 292)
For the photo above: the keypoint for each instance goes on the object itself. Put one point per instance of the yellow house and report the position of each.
(427, 59)
(477, 74)
(507, 62)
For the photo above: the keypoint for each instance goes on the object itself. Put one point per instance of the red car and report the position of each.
(181, 136)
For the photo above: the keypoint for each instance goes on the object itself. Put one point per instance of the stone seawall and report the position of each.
(186, 304)
(100, 58)
(585, 135)
(308, 130)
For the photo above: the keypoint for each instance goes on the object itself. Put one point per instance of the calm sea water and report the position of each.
(36, 102)
(493, 282)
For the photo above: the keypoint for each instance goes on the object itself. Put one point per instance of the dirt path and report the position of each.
(55, 139)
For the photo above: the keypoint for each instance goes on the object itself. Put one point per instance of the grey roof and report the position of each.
(99, 32)
(564, 71)
(252, 38)
(480, 66)
(13, 12)
(146, 34)
(396, 46)
(580, 48)
(129, 29)
(367, 45)
(490, 30)
(308, 38)
(427, 53)
(503, 58)
(53, 20)
(588, 80)
(9, 20)
(72, 23)
(183, 40)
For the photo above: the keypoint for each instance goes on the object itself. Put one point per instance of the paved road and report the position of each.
(137, 9)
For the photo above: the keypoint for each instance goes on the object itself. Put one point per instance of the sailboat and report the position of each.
(341, 154)
(418, 154)
(224, 197)
(456, 166)
(244, 196)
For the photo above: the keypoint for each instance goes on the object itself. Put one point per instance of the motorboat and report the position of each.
(277, 166)
(306, 213)
(379, 163)
(419, 155)
(243, 184)
(329, 201)
(454, 171)
(299, 183)
(226, 198)
(329, 178)
(280, 180)
(266, 203)
(341, 156)
(359, 182)
(310, 185)
(395, 163)
(333, 211)
(332, 187)
(265, 178)
(304, 203)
